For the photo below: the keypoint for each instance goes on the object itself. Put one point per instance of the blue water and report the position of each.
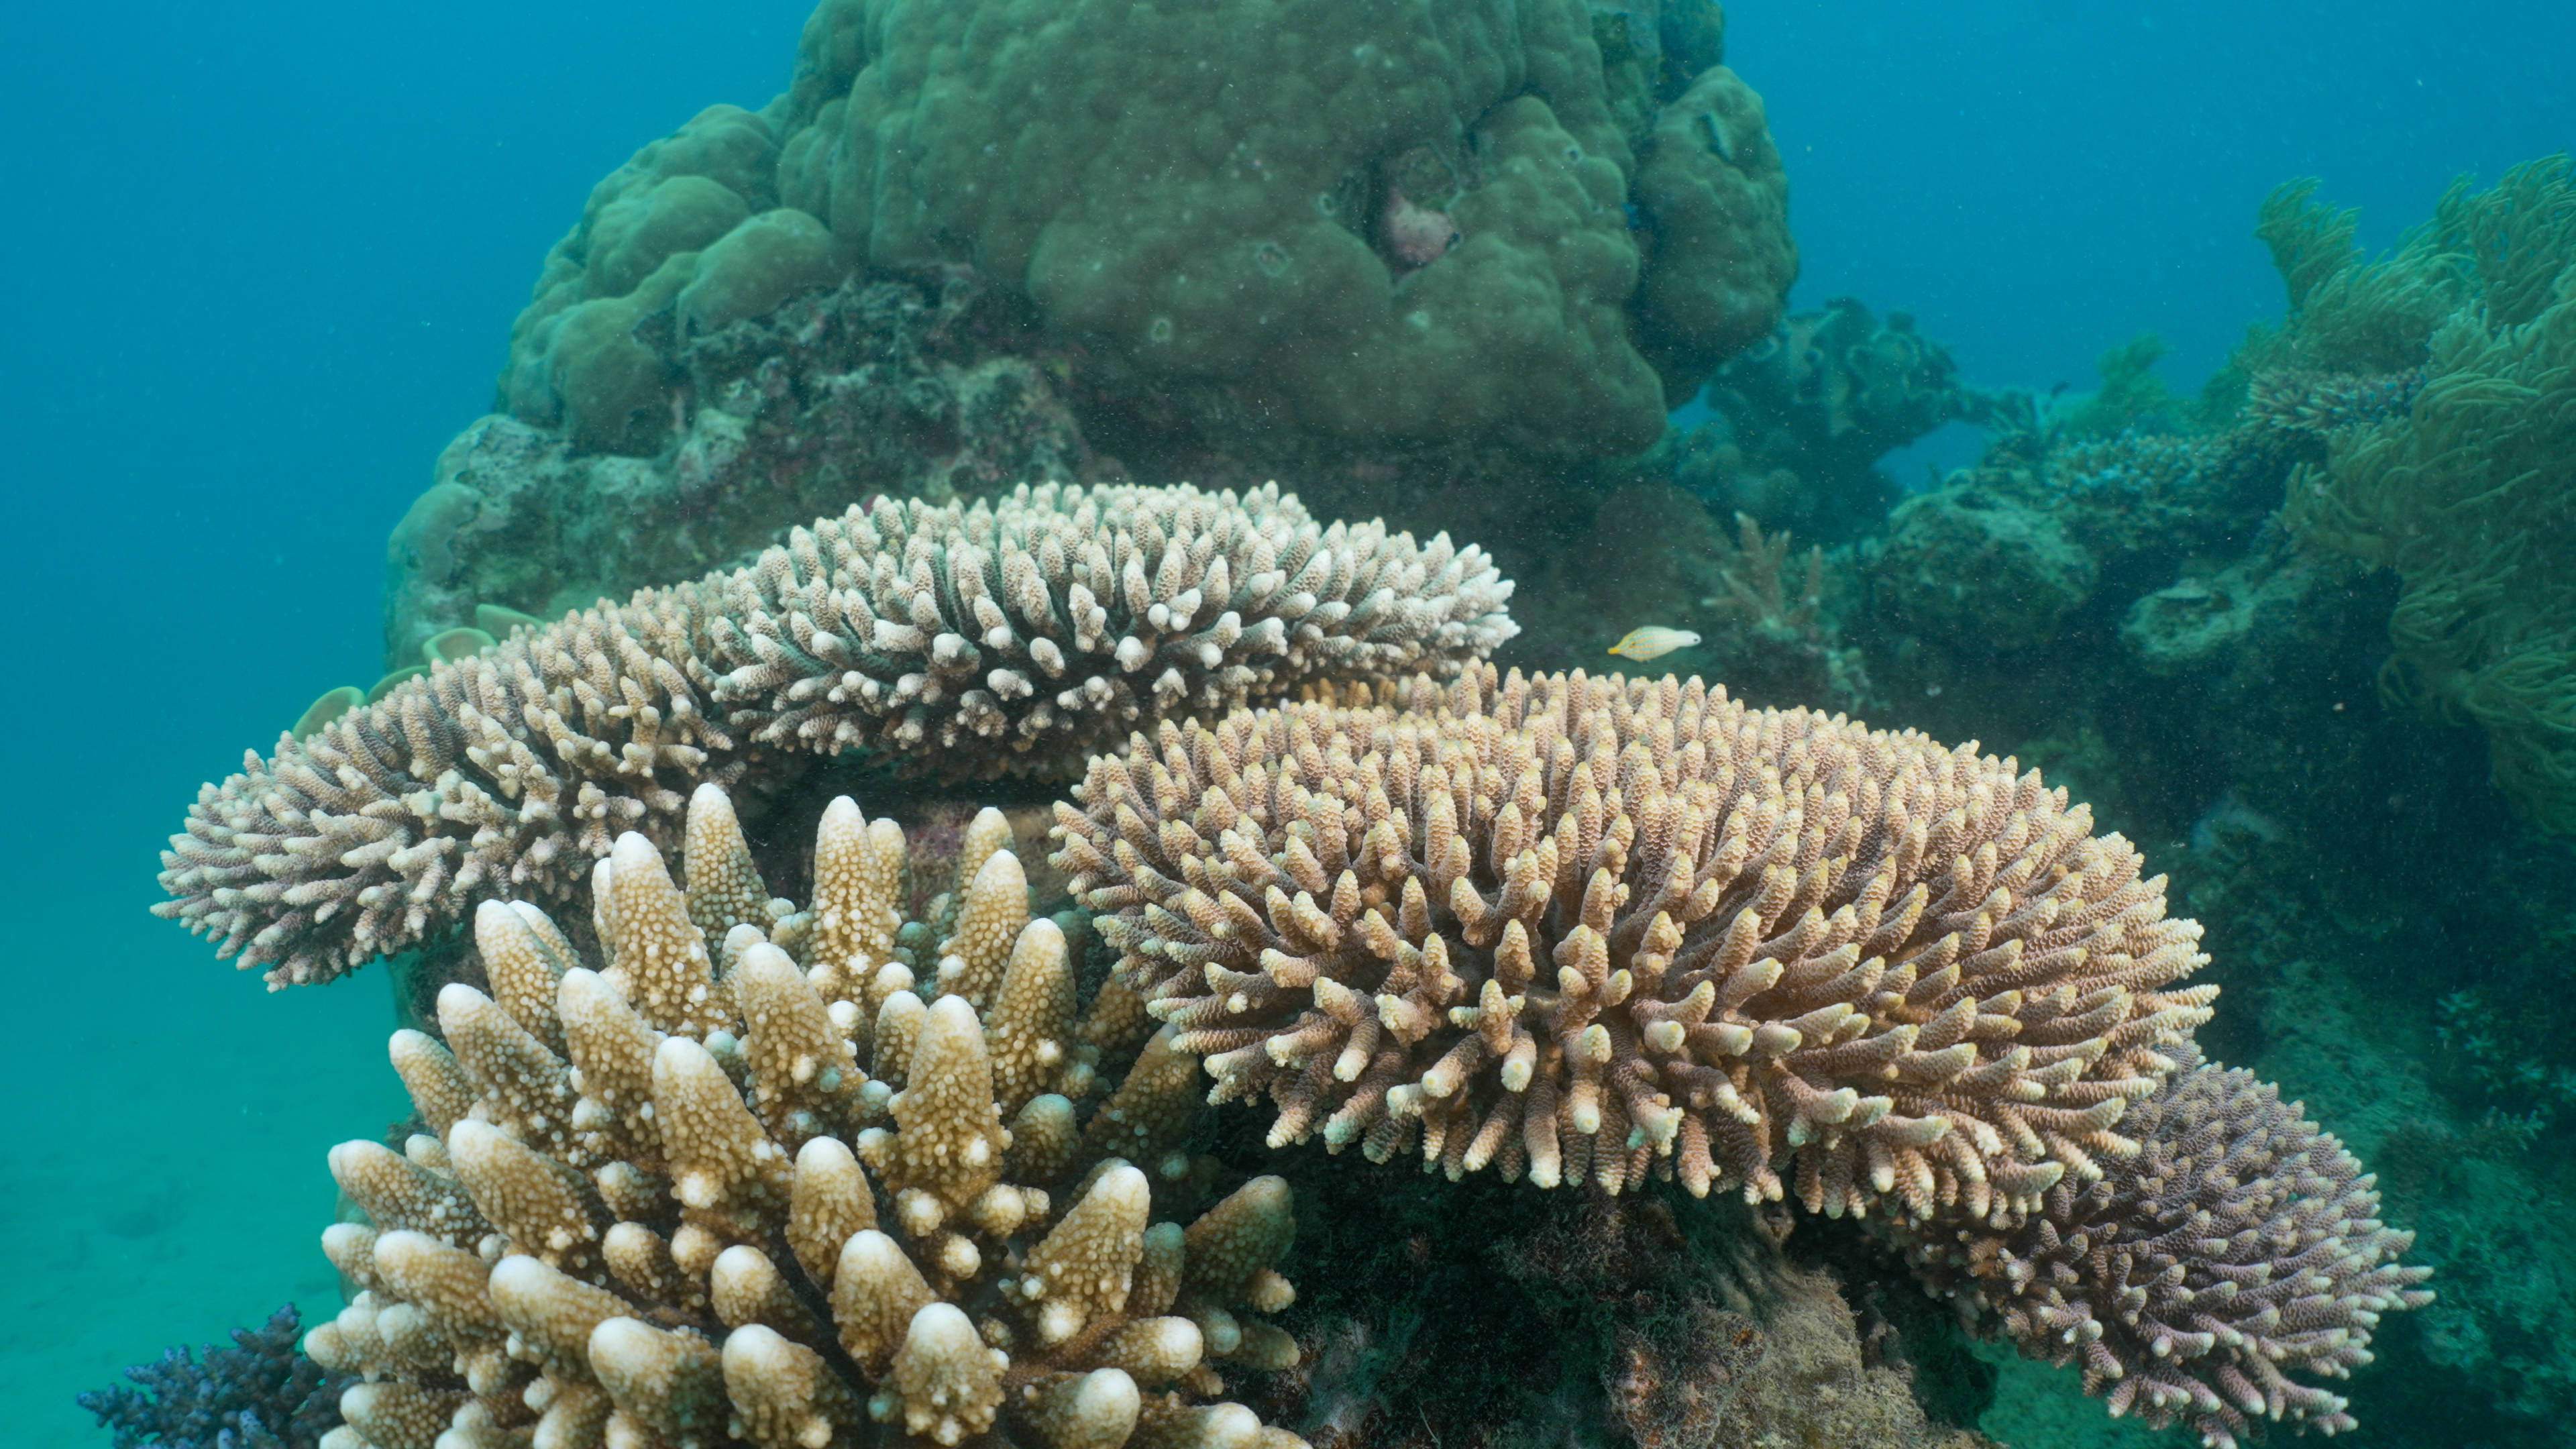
(261, 262)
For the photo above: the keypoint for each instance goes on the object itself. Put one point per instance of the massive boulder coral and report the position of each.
(1588, 928)
(1014, 636)
(708, 1195)
(1423, 221)
(2238, 1245)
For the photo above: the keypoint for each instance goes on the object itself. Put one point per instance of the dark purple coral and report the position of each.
(2238, 1246)
(262, 1393)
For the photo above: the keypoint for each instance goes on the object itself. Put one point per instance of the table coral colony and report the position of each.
(1009, 637)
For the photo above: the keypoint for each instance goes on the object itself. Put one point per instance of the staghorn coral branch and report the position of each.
(1007, 637)
(1590, 928)
(2239, 1245)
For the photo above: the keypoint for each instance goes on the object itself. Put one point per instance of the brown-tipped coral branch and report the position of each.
(2239, 1245)
(744, 1186)
(1588, 928)
(1015, 636)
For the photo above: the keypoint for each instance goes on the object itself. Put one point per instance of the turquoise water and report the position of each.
(266, 264)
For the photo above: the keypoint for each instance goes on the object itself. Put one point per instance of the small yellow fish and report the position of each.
(1653, 642)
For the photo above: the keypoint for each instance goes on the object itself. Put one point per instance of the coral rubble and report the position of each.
(707, 1195)
(1015, 636)
(1584, 928)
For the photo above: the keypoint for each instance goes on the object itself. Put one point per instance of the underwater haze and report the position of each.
(272, 257)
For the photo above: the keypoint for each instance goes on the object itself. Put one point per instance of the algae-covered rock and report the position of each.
(832, 398)
(1975, 569)
(2210, 622)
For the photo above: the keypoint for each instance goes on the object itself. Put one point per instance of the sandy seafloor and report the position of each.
(161, 1172)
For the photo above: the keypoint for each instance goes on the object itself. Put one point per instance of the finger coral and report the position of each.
(1584, 928)
(2239, 1245)
(707, 1195)
(1014, 636)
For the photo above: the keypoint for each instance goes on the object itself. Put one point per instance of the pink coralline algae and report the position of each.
(1415, 235)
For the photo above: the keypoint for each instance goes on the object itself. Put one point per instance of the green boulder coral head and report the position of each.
(1376, 222)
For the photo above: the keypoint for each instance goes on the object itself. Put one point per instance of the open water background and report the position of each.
(261, 261)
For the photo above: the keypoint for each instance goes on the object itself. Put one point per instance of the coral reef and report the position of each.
(704, 1194)
(259, 1394)
(1810, 410)
(1780, 942)
(1015, 637)
(2239, 1244)
(2012, 553)
(2465, 493)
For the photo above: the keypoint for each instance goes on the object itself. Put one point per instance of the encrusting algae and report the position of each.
(705, 1195)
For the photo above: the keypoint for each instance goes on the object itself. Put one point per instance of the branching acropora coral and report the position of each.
(1012, 636)
(708, 1196)
(1585, 928)
(2240, 1244)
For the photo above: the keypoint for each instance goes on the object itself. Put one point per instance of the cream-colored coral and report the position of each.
(1012, 636)
(718, 1217)
(1586, 928)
